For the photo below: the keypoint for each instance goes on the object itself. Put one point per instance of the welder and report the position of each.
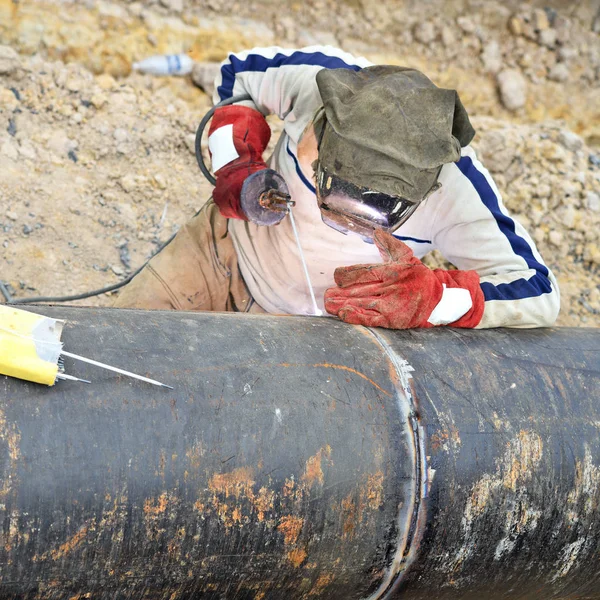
(377, 162)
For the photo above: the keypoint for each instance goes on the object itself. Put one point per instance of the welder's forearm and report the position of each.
(523, 301)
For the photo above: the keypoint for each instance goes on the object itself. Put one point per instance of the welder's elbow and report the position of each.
(549, 308)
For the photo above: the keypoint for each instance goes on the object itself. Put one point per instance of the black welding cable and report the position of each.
(5, 291)
(104, 290)
(10, 300)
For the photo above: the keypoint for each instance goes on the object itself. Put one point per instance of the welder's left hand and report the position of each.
(403, 293)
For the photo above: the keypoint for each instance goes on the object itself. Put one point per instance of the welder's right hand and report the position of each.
(238, 136)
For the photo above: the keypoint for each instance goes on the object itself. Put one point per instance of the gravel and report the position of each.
(513, 89)
(9, 60)
(98, 152)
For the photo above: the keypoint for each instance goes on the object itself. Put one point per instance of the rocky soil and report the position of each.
(97, 164)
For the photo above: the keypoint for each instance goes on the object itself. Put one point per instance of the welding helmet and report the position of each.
(351, 208)
(383, 135)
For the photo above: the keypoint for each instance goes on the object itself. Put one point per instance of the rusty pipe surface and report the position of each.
(301, 457)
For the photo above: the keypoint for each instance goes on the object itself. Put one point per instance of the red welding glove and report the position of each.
(242, 131)
(403, 293)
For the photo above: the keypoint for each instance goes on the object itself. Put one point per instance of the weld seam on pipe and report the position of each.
(406, 551)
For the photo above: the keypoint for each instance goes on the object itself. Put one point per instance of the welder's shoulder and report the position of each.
(468, 190)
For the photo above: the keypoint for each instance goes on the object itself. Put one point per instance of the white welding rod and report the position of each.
(318, 311)
(115, 369)
(70, 377)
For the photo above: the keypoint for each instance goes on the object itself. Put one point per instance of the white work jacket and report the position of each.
(465, 219)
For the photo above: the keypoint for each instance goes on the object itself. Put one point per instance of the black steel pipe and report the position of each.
(297, 458)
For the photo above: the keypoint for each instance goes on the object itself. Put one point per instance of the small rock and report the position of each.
(566, 215)
(553, 152)
(555, 238)
(566, 53)
(27, 150)
(128, 183)
(11, 215)
(448, 37)
(124, 148)
(559, 72)
(121, 135)
(547, 38)
(12, 127)
(492, 57)
(9, 150)
(105, 81)
(540, 19)
(563, 29)
(593, 201)
(160, 181)
(591, 254)
(27, 229)
(466, 24)
(73, 85)
(98, 100)
(117, 270)
(425, 32)
(571, 141)
(496, 151)
(539, 236)
(156, 134)
(60, 143)
(71, 154)
(525, 60)
(8, 101)
(513, 88)
(543, 190)
(174, 5)
(146, 236)
(190, 142)
(529, 32)
(551, 14)
(9, 60)
(515, 25)
(286, 26)
(204, 75)
(514, 170)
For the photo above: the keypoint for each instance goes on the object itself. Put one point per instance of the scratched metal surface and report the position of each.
(512, 421)
(280, 466)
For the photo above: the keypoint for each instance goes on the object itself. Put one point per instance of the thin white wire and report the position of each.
(115, 369)
(317, 310)
(88, 360)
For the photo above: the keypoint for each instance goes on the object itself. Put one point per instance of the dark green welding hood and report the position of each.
(389, 128)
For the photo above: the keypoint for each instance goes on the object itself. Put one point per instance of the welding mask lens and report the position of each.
(350, 208)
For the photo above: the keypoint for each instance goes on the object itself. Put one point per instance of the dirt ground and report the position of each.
(97, 164)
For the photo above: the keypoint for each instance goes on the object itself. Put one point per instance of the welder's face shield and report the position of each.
(352, 209)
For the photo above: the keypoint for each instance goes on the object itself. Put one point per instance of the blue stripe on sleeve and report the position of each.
(305, 181)
(406, 238)
(256, 62)
(521, 288)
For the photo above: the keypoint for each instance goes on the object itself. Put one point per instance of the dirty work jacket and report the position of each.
(465, 219)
